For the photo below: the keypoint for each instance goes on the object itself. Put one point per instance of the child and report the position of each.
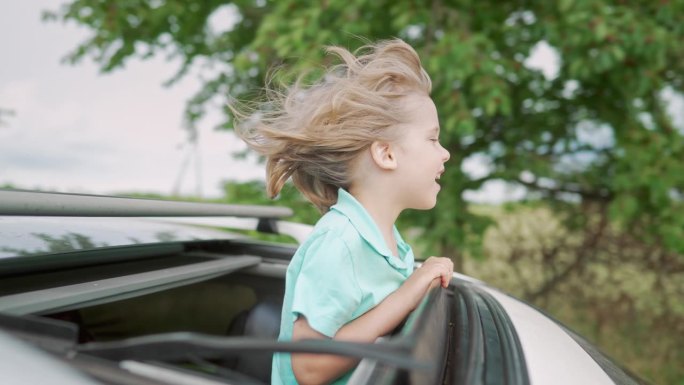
(362, 145)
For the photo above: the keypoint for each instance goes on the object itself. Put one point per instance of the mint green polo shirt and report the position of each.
(340, 272)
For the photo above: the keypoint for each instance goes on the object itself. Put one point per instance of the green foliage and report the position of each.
(597, 132)
(254, 193)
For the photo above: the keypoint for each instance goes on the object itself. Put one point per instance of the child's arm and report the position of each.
(379, 321)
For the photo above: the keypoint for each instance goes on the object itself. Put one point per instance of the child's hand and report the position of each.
(434, 271)
(437, 267)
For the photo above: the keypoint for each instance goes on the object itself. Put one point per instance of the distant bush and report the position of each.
(622, 294)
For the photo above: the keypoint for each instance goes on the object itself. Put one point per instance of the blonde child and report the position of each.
(362, 145)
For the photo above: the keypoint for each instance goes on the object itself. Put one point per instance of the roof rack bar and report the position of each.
(33, 203)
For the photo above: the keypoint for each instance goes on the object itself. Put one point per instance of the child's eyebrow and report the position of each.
(435, 130)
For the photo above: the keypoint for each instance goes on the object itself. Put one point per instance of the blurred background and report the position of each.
(565, 123)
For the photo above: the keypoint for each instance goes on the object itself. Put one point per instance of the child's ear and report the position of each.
(383, 155)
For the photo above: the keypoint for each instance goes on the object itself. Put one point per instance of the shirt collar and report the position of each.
(348, 206)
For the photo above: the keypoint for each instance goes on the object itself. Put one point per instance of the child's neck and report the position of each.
(383, 214)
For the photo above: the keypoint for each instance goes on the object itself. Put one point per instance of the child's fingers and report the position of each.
(449, 273)
(446, 278)
(441, 268)
(434, 283)
(444, 273)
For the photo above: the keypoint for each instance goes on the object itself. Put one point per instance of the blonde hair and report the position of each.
(313, 134)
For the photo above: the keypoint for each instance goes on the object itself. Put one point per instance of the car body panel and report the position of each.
(22, 363)
(552, 356)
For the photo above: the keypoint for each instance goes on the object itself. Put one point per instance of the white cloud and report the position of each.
(674, 102)
(224, 19)
(477, 166)
(17, 94)
(544, 58)
(495, 192)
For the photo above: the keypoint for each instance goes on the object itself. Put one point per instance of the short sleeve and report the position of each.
(326, 291)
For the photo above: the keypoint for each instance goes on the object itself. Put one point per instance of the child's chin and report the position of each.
(425, 205)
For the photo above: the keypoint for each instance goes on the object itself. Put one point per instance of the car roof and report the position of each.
(551, 354)
(32, 236)
(19, 360)
(39, 223)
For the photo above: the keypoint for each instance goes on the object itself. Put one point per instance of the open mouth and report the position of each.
(439, 176)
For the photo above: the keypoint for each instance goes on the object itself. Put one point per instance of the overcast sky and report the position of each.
(75, 130)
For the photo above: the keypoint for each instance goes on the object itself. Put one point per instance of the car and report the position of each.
(113, 290)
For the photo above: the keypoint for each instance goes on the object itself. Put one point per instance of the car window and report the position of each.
(423, 339)
(465, 336)
(486, 349)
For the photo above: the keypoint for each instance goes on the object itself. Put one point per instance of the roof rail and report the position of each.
(33, 203)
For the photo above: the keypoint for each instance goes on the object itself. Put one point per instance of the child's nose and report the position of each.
(446, 155)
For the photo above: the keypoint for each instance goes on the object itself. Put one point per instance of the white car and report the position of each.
(107, 290)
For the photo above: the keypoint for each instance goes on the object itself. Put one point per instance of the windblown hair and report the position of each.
(314, 134)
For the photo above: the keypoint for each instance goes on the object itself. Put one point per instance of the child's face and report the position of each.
(420, 156)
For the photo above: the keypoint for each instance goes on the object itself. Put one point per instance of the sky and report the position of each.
(76, 130)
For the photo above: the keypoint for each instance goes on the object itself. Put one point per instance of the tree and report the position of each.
(595, 135)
